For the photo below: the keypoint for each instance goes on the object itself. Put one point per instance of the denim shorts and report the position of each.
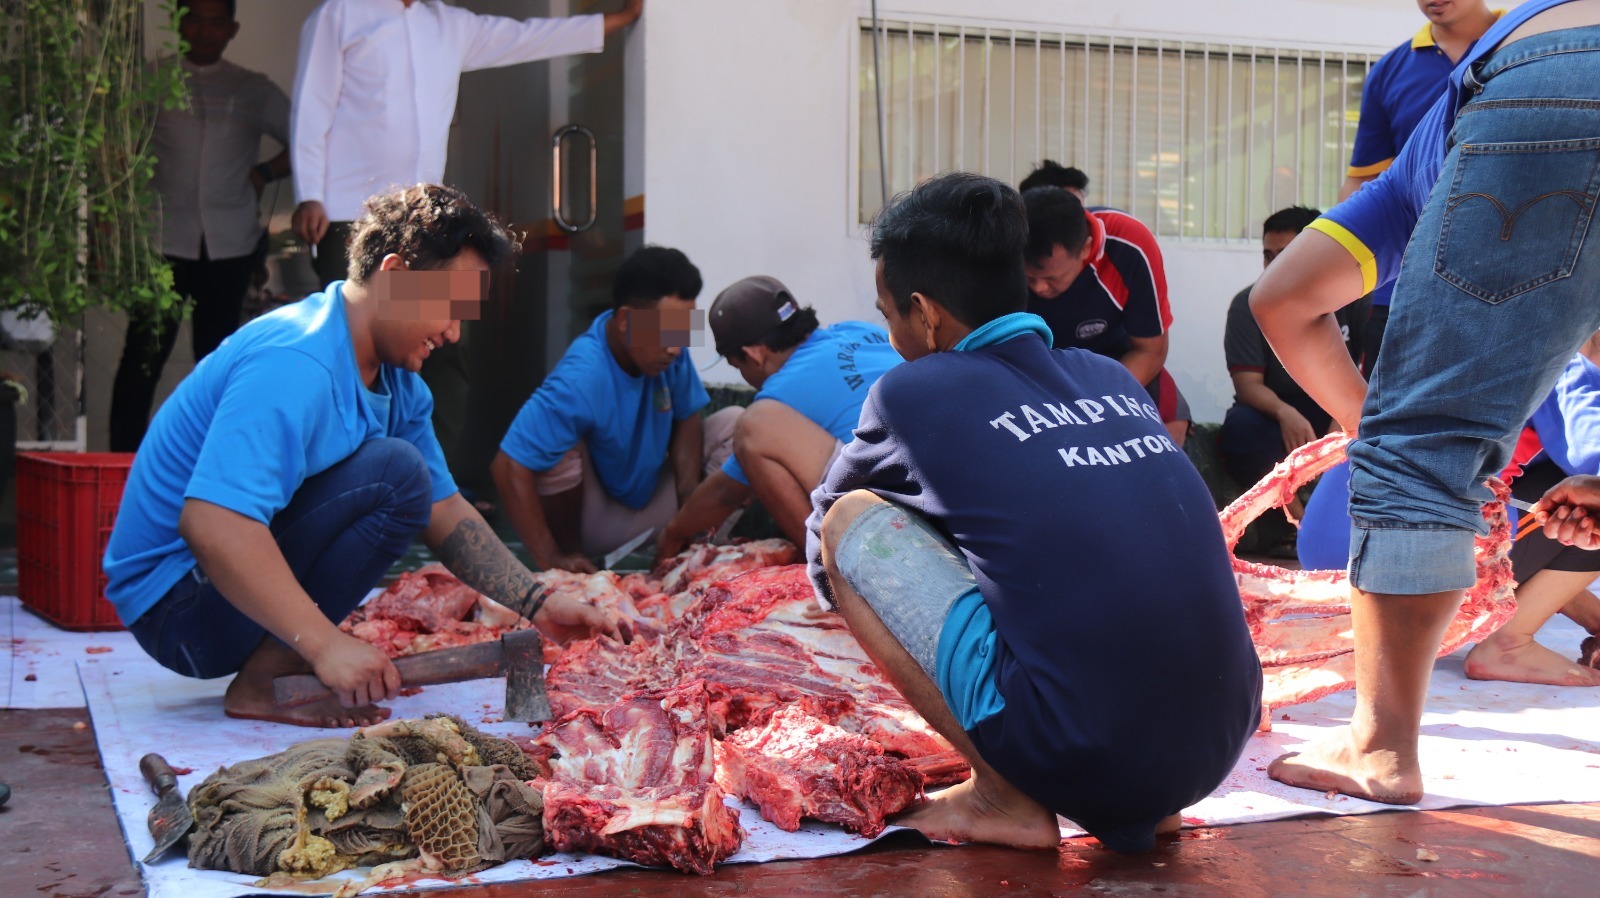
(1499, 286)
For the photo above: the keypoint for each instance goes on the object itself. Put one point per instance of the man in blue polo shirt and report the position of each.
(1483, 218)
(295, 464)
(1399, 89)
(611, 443)
(810, 384)
(975, 536)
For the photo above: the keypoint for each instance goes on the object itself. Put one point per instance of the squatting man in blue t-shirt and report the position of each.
(810, 382)
(975, 536)
(612, 443)
(296, 463)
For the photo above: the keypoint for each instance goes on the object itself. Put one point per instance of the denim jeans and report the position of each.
(1500, 285)
(342, 530)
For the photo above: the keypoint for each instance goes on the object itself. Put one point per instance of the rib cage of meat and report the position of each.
(1300, 620)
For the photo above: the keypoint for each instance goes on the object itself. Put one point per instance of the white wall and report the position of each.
(750, 144)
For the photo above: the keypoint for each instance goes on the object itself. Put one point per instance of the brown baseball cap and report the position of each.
(749, 310)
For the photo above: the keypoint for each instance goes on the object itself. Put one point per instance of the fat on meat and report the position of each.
(797, 765)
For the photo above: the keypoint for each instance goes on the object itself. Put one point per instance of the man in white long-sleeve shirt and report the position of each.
(375, 90)
(210, 215)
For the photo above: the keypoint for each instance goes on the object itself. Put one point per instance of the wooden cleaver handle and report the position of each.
(158, 773)
(470, 662)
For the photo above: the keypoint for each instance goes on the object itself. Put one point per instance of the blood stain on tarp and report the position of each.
(31, 678)
(409, 691)
(98, 650)
(1194, 821)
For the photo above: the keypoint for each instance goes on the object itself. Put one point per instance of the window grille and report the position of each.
(1197, 140)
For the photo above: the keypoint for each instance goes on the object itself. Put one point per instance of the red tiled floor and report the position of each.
(62, 841)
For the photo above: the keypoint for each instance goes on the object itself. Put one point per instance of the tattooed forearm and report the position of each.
(475, 554)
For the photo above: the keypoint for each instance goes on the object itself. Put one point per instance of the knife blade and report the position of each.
(170, 820)
(1520, 505)
(626, 549)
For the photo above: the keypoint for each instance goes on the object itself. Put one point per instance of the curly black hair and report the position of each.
(427, 225)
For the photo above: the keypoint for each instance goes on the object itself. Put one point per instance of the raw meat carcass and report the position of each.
(429, 609)
(605, 591)
(594, 673)
(637, 782)
(1300, 620)
(795, 765)
(706, 564)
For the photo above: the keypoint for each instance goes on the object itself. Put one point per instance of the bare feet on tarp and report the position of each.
(1517, 658)
(963, 813)
(1335, 764)
(248, 703)
(249, 696)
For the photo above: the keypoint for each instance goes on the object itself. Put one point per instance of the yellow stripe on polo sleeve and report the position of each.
(1353, 245)
(1369, 171)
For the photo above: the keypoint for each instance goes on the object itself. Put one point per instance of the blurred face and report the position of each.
(655, 337)
(1051, 276)
(1448, 12)
(905, 335)
(1273, 243)
(419, 311)
(207, 28)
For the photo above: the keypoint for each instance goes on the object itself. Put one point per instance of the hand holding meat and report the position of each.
(1568, 511)
(565, 618)
(357, 672)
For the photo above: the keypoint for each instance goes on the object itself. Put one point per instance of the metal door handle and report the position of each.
(557, 180)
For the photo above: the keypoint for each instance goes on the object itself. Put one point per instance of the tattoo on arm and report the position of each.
(473, 553)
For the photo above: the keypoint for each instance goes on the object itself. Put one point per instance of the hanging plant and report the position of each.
(78, 103)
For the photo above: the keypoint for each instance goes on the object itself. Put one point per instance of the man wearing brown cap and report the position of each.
(810, 382)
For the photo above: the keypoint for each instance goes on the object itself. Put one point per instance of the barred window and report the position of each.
(1198, 140)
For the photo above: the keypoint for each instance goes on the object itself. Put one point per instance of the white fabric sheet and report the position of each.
(1482, 744)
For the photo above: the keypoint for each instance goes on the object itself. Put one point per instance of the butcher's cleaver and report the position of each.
(626, 549)
(518, 656)
(170, 819)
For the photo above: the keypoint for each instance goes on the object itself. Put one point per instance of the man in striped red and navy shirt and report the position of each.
(1097, 279)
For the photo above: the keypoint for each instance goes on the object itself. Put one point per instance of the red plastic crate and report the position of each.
(66, 505)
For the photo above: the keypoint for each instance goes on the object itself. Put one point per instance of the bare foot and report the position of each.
(962, 813)
(1518, 659)
(1169, 824)
(249, 696)
(1334, 764)
(245, 703)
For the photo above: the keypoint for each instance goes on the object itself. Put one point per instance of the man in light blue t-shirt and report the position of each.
(810, 384)
(612, 441)
(296, 463)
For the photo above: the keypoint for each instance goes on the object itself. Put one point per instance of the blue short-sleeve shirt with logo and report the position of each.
(625, 421)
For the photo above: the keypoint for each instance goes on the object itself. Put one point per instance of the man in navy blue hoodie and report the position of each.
(978, 536)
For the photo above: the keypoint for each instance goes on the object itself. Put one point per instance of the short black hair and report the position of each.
(1055, 218)
(427, 225)
(1292, 220)
(793, 331)
(958, 239)
(232, 7)
(1049, 173)
(652, 273)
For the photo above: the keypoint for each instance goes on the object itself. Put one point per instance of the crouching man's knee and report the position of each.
(836, 523)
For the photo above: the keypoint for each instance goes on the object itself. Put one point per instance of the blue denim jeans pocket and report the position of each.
(1517, 215)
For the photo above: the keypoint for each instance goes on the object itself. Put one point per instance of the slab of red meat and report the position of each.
(636, 782)
(795, 765)
(425, 600)
(764, 641)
